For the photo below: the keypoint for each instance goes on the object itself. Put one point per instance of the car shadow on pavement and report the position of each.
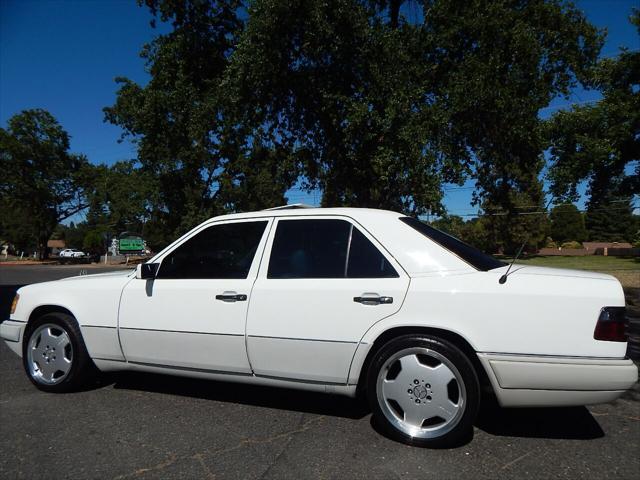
(575, 423)
(569, 423)
(256, 395)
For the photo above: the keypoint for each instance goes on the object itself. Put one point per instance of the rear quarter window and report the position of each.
(474, 257)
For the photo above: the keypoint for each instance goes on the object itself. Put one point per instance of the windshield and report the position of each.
(474, 257)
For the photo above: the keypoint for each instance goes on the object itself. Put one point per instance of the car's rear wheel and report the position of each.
(54, 355)
(423, 391)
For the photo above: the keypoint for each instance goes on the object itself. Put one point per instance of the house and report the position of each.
(607, 248)
(55, 246)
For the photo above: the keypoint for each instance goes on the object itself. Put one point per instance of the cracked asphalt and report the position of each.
(135, 426)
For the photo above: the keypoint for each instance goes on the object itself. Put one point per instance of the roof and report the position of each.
(297, 210)
(594, 245)
(56, 244)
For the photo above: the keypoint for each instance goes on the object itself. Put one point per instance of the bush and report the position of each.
(549, 243)
(572, 245)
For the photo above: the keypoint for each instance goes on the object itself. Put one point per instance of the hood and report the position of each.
(91, 276)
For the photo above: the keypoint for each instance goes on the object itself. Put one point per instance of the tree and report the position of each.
(199, 162)
(611, 220)
(567, 224)
(451, 224)
(599, 143)
(42, 182)
(381, 111)
(351, 98)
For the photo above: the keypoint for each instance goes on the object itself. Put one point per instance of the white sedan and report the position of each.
(338, 300)
(71, 253)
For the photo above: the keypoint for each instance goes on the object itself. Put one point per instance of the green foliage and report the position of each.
(567, 223)
(198, 163)
(380, 113)
(453, 225)
(573, 245)
(611, 221)
(598, 143)
(42, 183)
(94, 242)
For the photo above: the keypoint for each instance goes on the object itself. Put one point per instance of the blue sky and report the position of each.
(63, 56)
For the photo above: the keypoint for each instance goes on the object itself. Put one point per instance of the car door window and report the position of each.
(220, 251)
(309, 249)
(324, 248)
(366, 261)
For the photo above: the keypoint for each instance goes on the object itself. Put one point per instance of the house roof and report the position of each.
(56, 244)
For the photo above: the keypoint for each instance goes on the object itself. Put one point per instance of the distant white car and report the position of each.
(71, 253)
(343, 301)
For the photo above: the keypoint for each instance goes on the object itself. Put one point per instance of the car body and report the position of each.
(344, 300)
(71, 253)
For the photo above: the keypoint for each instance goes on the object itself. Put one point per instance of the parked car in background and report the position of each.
(343, 301)
(71, 253)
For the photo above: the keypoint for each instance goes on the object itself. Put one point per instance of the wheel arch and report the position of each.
(447, 335)
(41, 310)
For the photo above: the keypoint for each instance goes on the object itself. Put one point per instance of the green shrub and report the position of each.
(572, 245)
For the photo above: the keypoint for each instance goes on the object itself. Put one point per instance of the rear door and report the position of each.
(323, 283)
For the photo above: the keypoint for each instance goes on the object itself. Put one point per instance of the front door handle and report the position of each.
(232, 297)
(368, 299)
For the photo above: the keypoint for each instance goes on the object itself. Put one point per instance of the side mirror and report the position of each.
(147, 271)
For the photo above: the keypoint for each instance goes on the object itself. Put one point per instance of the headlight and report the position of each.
(14, 304)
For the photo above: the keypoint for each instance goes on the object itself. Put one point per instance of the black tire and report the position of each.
(460, 426)
(82, 367)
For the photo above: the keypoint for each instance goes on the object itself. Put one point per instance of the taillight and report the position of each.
(611, 325)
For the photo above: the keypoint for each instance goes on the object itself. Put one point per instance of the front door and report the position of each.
(325, 282)
(193, 314)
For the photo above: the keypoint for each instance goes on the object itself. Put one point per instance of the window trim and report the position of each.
(264, 266)
(257, 258)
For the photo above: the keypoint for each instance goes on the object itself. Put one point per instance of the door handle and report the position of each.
(232, 297)
(373, 300)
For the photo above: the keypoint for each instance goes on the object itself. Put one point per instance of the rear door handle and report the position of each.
(368, 299)
(232, 297)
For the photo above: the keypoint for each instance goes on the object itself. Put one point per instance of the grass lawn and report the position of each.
(625, 269)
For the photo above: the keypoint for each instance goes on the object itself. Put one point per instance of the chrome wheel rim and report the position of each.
(49, 354)
(421, 392)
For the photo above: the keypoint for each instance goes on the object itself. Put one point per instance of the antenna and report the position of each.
(503, 279)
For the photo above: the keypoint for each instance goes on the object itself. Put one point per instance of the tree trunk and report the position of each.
(394, 12)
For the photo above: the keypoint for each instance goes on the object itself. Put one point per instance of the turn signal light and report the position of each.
(611, 325)
(14, 304)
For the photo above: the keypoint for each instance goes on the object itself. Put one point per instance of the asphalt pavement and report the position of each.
(150, 426)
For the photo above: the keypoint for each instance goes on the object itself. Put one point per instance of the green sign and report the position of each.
(134, 244)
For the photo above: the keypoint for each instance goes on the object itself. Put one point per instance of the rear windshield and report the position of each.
(474, 257)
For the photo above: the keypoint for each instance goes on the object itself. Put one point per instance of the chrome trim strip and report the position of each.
(299, 380)
(190, 369)
(13, 320)
(540, 355)
(303, 339)
(182, 331)
(109, 359)
(97, 326)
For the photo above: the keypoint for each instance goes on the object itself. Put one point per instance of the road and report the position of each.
(146, 426)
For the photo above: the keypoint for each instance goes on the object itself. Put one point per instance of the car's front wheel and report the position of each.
(54, 355)
(423, 391)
